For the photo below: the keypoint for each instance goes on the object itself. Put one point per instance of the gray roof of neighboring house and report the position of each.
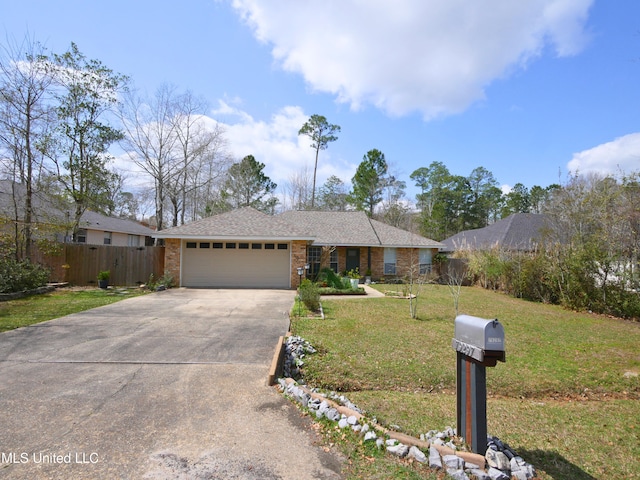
(45, 211)
(520, 231)
(43, 208)
(242, 223)
(323, 228)
(96, 221)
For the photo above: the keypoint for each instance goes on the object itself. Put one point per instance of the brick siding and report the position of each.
(172, 259)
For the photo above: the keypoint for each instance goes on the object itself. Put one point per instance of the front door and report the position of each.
(353, 259)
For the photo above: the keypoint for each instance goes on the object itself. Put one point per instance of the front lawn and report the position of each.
(64, 301)
(566, 399)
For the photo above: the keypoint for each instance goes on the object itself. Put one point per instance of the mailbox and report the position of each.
(479, 343)
(480, 339)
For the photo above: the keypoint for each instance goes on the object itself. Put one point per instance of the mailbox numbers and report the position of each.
(468, 350)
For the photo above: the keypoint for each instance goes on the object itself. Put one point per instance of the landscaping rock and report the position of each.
(457, 474)
(434, 458)
(496, 474)
(453, 461)
(497, 459)
(417, 454)
(480, 474)
(370, 436)
(332, 414)
(399, 450)
(504, 463)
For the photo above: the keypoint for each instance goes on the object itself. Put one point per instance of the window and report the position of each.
(191, 244)
(133, 240)
(256, 246)
(243, 246)
(107, 238)
(204, 245)
(389, 261)
(269, 246)
(230, 245)
(283, 246)
(313, 259)
(333, 259)
(216, 245)
(81, 236)
(425, 261)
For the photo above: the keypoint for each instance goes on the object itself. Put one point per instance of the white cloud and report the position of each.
(276, 143)
(434, 56)
(622, 155)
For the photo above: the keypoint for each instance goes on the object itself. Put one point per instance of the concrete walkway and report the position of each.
(164, 386)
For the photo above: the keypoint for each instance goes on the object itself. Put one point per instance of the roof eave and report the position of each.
(231, 237)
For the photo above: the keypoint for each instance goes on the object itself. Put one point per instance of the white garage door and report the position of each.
(235, 264)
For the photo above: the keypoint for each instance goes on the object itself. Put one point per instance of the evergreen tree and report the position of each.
(246, 185)
(369, 182)
(321, 133)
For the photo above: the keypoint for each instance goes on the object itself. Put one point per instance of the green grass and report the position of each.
(562, 399)
(40, 308)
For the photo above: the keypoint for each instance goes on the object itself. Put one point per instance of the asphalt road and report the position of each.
(164, 386)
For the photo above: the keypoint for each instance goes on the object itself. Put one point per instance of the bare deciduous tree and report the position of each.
(25, 118)
(297, 190)
(150, 139)
(454, 275)
(200, 158)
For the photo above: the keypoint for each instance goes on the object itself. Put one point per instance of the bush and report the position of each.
(333, 280)
(164, 282)
(310, 295)
(18, 276)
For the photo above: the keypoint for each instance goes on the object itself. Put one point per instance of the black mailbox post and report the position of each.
(479, 343)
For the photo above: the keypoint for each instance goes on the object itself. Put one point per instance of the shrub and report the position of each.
(165, 281)
(18, 276)
(310, 295)
(333, 280)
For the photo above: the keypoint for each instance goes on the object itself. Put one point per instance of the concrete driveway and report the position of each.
(169, 385)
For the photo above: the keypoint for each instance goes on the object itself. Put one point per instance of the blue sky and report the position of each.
(530, 90)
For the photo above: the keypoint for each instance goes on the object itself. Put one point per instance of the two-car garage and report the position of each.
(235, 264)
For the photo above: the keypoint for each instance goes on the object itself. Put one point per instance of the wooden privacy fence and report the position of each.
(128, 266)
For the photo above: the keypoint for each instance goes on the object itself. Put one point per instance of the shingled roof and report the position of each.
(519, 232)
(323, 228)
(96, 221)
(334, 228)
(242, 223)
(355, 228)
(46, 210)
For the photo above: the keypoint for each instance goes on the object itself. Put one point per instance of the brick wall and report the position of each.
(377, 263)
(405, 257)
(172, 259)
(298, 259)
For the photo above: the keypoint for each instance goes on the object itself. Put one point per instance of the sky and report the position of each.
(531, 90)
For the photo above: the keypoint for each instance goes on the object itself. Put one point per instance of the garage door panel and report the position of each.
(241, 268)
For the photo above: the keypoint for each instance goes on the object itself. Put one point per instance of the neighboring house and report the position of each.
(518, 232)
(98, 229)
(53, 221)
(248, 248)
